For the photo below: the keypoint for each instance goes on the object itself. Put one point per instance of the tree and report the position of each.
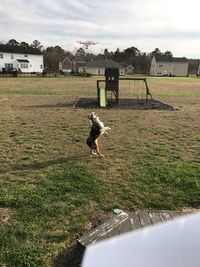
(168, 53)
(52, 56)
(12, 42)
(155, 52)
(24, 44)
(86, 44)
(117, 52)
(106, 52)
(118, 55)
(80, 52)
(37, 44)
(132, 51)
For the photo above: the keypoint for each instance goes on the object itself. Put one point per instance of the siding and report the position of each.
(35, 61)
(159, 68)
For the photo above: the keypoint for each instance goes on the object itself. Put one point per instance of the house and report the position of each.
(76, 64)
(168, 66)
(97, 67)
(129, 69)
(66, 66)
(25, 60)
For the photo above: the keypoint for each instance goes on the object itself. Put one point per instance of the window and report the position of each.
(25, 55)
(12, 56)
(1, 55)
(24, 65)
(160, 65)
(41, 66)
(8, 66)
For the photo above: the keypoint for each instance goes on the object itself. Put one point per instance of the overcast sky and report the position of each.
(146, 24)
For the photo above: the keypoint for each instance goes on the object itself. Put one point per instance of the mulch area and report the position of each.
(123, 104)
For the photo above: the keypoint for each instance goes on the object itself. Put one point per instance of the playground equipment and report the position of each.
(111, 84)
(122, 93)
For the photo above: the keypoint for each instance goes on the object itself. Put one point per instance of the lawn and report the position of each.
(51, 188)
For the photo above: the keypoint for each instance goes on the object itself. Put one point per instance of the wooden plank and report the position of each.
(125, 226)
(144, 218)
(123, 223)
(113, 232)
(174, 214)
(165, 216)
(101, 232)
(155, 217)
(134, 222)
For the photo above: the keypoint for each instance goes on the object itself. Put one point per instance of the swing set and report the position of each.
(122, 93)
(109, 94)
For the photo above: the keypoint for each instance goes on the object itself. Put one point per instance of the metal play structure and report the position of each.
(121, 92)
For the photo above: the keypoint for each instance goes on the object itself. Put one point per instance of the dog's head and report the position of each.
(92, 116)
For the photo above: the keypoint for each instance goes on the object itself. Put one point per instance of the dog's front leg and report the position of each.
(104, 133)
(105, 129)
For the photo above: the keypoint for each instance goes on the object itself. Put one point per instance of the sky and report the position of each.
(146, 24)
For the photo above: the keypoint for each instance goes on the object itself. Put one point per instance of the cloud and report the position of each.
(146, 24)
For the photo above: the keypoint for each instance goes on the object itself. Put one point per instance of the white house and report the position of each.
(97, 67)
(24, 62)
(168, 66)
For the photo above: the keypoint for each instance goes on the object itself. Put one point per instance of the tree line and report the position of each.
(140, 61)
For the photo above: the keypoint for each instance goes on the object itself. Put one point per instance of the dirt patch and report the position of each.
(5, 215)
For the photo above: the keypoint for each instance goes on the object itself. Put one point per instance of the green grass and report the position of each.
(41, 210)
(57, 207)
(51, 188)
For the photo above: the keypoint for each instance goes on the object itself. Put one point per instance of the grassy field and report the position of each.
(52, 189)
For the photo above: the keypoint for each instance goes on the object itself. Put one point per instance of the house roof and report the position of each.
(79, 59)
(180, 59)
(66, 59)
(130, 67)
(161, 58)
(103, 63)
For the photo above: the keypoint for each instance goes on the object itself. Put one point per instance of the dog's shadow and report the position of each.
(44, 164)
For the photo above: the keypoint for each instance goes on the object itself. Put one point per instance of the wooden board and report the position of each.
(124, 223)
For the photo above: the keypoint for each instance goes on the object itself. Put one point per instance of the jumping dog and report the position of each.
(97, 129)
